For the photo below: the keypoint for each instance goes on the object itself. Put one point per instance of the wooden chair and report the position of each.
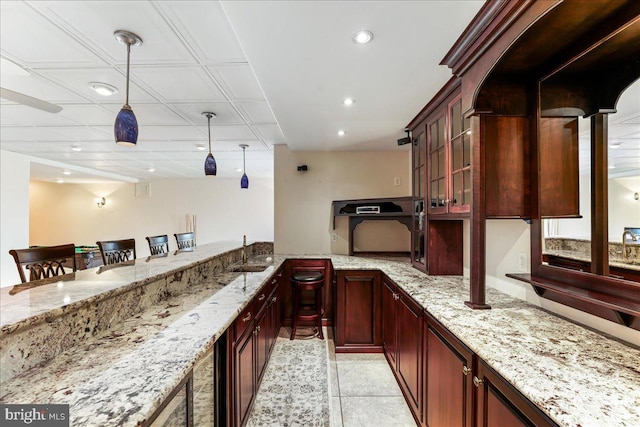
(45, 262)
(186, 241)
(116, 251)
(158, 244)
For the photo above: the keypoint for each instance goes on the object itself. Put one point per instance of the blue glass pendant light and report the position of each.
(244, 181)
(125, 128)
(210, 167)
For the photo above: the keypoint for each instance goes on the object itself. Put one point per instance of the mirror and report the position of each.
(567, 240)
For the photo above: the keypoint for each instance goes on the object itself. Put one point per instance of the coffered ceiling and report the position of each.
(274, 72)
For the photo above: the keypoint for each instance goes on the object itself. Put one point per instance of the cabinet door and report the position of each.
(499, 404)
(437, 146)
(262, 334)
(244, 375)
(448, 380)
(409, 359)
(419, 161)
(358, 305)
(459, 159)
(389, 320)
(274, 318)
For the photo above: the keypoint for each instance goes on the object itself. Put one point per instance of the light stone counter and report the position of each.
(576, 376)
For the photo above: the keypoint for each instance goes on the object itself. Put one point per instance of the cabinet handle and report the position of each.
(477, 381)
(447, 201)
(257, 328)
(274, 299)
(466, 370)
(262, 297)
(280, 274)
(247, 317)
(274, 281)
(396, 296)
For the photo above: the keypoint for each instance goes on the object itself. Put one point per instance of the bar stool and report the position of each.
(307, 281)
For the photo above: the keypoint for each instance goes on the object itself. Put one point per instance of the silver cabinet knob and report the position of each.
(466, 370)
(477, 381)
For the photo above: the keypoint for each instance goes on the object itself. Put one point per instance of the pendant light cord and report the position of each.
(128, 57)
(209, 127)
(244, 165)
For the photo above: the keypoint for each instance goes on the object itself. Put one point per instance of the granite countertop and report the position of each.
(576, 376)
(87, 286)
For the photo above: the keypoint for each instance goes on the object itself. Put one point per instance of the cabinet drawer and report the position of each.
(244, 320)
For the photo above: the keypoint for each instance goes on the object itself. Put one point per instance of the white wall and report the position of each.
(303, 215)
(14, 211)
(67, 213)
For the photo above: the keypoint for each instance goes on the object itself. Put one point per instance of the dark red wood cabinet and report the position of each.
(244, 379)
(358, 320)
(441, 159)
(409, 351)
(389, 321)
(402, 341)
(448, 378)
(250, 345)
(500, 405)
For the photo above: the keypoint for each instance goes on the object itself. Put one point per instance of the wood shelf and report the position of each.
(617, 308)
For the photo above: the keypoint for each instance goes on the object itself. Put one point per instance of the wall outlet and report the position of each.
(396, 181)
(523, 264)
(334, 237)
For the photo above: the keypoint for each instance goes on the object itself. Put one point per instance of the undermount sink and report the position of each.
(249, 268)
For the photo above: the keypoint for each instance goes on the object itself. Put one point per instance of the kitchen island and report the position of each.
(123, 374)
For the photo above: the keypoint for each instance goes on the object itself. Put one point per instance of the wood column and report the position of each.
(478, 218)
(599, 199)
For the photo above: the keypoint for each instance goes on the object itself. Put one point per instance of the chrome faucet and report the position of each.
(634, 238)
(244, 249)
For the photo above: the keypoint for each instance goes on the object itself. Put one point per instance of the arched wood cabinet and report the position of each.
(525, 72)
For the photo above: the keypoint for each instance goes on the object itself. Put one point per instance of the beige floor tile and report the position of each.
(336, 412)
(376, 411)
(366, 378)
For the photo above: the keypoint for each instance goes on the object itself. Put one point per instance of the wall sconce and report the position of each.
(101, 202)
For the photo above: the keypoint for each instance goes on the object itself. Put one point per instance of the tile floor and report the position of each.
(363, 391)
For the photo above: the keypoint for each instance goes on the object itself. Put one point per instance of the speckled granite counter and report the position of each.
(576, 376)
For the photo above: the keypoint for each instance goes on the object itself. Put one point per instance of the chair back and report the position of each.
(44, 262)
(158, 244)
(116, 251)
(186, 241)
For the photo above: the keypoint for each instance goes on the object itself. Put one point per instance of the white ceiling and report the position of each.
(274, 72)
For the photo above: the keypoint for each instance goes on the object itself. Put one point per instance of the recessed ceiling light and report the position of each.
(341, 133)
(76, 147)
(239, 170)
(362, 36)
(103, 88)
(60, 181)
(66, 172)
(612, 166)
(200, 147)
(348, 101)
(615, 144)
(151, 169)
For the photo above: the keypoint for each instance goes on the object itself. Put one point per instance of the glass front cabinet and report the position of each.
(419, 159)
(441, 163)
(450, 161)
